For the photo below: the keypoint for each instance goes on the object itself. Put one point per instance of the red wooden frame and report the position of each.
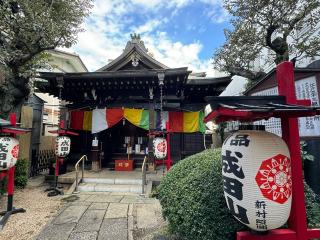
(290, 133)
(59, 160)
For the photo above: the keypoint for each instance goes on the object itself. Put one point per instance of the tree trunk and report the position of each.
(12, 96)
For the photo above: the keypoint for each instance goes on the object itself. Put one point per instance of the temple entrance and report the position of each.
(122, 142)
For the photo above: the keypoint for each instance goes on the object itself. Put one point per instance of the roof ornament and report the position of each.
(135, 60)
(135, 37)
(136, 40)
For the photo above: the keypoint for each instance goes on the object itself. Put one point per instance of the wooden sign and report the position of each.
(123, 165)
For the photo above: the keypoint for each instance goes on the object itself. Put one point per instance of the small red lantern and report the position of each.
(257, 179)
(160, 147)
(9, 152)
(63, 144)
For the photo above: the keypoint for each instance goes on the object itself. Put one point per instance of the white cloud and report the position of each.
(148, 26)
(107, 32)
(155, 4)
(218, 14)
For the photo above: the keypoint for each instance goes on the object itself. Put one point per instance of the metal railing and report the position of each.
(83, 158)
(144, 173)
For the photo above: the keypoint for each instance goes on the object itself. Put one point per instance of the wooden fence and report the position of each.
(41, 162)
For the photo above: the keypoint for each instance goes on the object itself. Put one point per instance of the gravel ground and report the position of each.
(39, 210)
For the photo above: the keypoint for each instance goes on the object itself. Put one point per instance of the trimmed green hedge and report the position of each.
(21, 173)
(192, 200)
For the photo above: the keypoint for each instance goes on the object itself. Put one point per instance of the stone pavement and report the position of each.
(104, 216)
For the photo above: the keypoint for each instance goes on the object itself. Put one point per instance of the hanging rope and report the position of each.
(161, 126)
(60, 85)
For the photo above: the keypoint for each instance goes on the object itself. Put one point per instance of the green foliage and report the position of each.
(304, 152)
(34, 26)
(312, 207)
(267, 31)
(28, 29)
(193, 202)
(192, 199)
(21, 173)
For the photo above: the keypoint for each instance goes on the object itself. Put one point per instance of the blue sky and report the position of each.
(178, 33)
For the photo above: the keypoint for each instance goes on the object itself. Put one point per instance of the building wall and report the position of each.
(60, 62)
(47, 143)
(25, 139)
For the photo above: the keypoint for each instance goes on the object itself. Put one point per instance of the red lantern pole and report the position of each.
(10, 184)
(290, 134)
(55, 190)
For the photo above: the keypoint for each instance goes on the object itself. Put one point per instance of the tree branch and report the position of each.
(252, 75)
(270, 30)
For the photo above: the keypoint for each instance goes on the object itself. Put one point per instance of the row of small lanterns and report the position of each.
(9, 150)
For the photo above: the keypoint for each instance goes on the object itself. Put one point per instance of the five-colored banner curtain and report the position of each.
(102, 119)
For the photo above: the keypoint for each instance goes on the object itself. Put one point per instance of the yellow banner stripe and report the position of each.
(133, 115)
(87, 121)
(190, 122)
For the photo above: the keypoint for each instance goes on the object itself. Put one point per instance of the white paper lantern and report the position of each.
(63, 145)
(257, 179)
(160, 147)
(9, 152)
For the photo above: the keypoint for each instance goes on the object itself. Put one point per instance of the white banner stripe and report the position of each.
(99, 120)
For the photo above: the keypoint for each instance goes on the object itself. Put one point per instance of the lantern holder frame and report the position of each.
(55, 189)
(166, 132)
(11, 130)
(288, 108)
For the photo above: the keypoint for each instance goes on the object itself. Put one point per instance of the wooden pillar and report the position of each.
(95, 153)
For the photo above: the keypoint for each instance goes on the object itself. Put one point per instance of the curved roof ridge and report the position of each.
(133, 45)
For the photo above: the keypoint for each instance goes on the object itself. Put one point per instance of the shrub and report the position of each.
(192, 200)
(312, 207)
(21, 173)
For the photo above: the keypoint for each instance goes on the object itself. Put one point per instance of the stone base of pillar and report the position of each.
(95, 166)
(151, 166)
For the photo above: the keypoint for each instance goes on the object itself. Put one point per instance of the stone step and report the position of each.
(116, 181)
(103, 187)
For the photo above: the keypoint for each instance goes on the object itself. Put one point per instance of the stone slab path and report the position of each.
(104, 216)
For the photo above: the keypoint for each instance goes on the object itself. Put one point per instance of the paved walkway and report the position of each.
(103, 216)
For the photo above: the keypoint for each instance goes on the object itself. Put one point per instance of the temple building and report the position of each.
(120, 108)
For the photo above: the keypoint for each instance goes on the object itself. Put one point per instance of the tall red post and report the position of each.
(290, 134)
(10, 186)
